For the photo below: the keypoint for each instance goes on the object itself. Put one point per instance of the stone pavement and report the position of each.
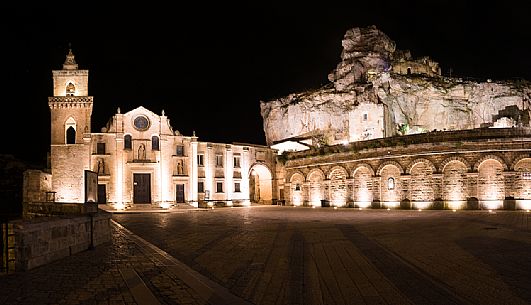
(286, 255)
(126, 271)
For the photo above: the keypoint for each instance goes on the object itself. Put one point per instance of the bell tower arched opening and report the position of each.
(70, 131)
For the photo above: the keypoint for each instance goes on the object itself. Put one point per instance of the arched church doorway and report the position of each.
(260, 184)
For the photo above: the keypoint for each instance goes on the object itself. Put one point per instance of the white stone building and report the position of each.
(139, 158)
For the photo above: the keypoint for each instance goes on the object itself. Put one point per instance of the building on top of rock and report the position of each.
(377, 91)
(404, 64)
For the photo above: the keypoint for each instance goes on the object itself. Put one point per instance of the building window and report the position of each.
(526, 176)
(179, 150)
(154, 143)
(200, 187)
(70, 89)
(200, 160)
(365, 116)
(237, 187)
(127, 142)
(100, 148)
(70, 135)
(391, 183)
(297, 187)
(219, 187)
(219, 160)
(237, 162)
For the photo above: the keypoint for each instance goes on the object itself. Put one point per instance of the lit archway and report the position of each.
(491, 184)
(260, 184)
(362, 189)
(338, 186)
(296, 195)
(421, 184)
(316, 179)
(454, 190)
(522, 185)
(390, 185)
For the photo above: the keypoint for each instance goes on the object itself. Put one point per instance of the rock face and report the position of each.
(378, 91)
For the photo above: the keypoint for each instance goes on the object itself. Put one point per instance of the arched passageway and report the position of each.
(260, 184)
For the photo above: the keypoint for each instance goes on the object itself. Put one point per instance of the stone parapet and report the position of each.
(42, 240)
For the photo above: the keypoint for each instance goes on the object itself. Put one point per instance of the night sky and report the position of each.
(209, 66)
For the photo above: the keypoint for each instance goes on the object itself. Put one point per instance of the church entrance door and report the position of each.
(179, 192)
(142, 188)
(102, 193)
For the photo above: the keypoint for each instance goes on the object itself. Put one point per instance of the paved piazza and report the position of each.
(288, 255)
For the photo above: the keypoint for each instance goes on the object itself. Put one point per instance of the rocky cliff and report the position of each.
(378, 91)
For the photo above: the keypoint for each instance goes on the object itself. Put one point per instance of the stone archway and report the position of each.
(455, 185)
(260, 184)
(491, 184)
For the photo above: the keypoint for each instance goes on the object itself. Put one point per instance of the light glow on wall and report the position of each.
(391, 204)
(491, 204)
(363, 204)
(456, 204)
(165, 205)
(421, 204)
(523, 204)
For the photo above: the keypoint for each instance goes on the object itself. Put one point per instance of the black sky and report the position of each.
(208, 66)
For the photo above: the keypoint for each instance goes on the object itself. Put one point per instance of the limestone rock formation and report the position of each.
(378, 91)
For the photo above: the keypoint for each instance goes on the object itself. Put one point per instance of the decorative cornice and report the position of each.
(59, 102)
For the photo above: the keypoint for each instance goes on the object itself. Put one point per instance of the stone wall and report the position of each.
(43, 240)
(69, 163)
(36, 184)
(490, 170)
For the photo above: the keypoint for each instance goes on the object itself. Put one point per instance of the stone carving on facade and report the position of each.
(180, 167)
(142, 152)
(101, 167)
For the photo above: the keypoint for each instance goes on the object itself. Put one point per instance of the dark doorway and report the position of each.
(102, 193)
(70, 135)
(141, 188)
(179, 193)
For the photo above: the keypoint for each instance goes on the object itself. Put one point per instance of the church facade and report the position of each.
(140, 159)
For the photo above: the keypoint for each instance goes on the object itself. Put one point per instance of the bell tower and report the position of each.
(71, 110)
(70, 105)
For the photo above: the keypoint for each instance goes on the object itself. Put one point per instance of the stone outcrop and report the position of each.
(378, 91)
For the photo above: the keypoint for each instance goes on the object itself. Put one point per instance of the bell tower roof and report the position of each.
(70, 62)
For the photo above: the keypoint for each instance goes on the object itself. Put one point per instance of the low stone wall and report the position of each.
(42, 240)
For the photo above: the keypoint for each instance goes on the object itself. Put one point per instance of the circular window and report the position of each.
(141, 122)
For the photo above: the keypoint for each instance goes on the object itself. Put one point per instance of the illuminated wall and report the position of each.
(491, 184)
(296, 193)
(522, 184)
(421, 185)
(338, 187)
(362, 191)
(390, 192)
(455, 190)
(316, 187)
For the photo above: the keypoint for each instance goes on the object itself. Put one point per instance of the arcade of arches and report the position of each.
(488, 182)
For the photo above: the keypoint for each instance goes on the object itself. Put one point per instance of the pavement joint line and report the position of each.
(419, 272)
(138, 288)
(208, 290)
